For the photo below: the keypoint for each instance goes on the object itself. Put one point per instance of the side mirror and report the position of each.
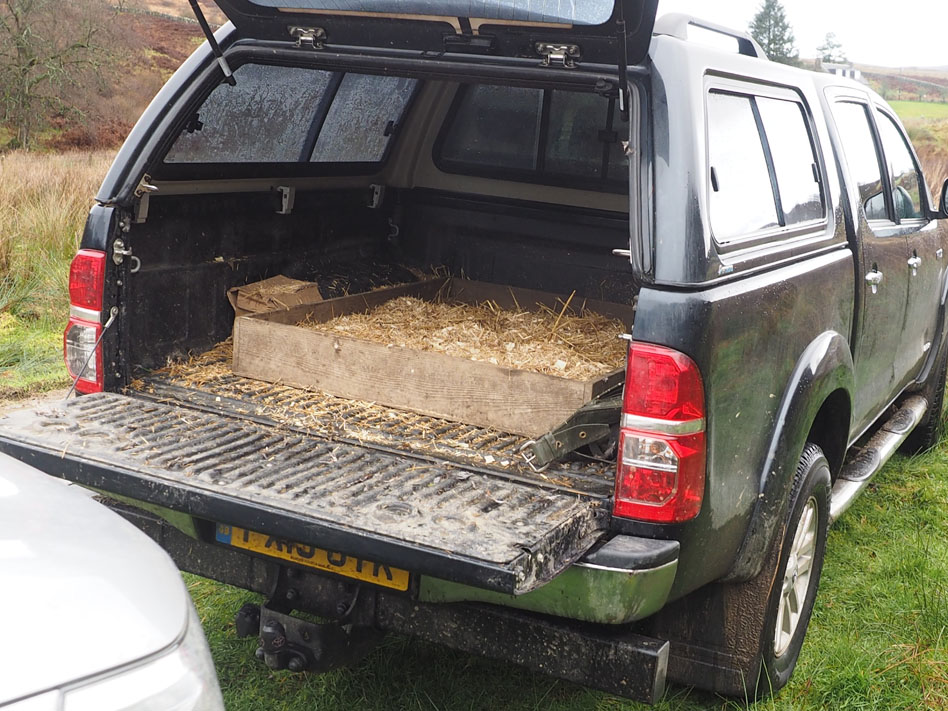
(943, 203)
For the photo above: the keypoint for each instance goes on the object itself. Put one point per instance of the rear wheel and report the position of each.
(798, 572)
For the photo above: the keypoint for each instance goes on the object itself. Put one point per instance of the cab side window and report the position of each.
(855, 133)
(906, 182)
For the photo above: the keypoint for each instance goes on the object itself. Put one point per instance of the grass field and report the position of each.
(878, 640)
(908, 110)
(43, 203)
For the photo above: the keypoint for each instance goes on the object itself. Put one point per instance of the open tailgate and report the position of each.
(401, 509)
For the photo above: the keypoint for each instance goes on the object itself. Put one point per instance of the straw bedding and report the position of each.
(577, 344)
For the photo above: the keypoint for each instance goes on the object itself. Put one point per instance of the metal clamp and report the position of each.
(561, 55)
(309, 37)
(530, 456)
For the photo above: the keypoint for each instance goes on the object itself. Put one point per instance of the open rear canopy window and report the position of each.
(587, 12)
(278, 114)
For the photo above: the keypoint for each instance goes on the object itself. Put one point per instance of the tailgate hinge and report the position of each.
(309, 37)
(559, 55)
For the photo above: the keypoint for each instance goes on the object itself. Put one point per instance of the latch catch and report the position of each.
(559, 55)
(145, 186)
(120, 251)
(309, 37)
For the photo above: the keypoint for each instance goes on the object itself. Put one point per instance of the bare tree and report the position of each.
(46, 46)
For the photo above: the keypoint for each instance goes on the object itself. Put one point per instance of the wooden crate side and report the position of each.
(433, 384)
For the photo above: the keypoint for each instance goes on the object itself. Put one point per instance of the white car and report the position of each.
(95, 615)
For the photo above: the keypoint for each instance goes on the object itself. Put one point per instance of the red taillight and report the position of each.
(87, 279)
(86, 287)
(662, 439)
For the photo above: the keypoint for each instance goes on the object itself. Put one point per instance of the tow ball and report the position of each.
(287, 642)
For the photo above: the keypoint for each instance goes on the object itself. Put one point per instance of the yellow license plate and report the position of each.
(312, 557)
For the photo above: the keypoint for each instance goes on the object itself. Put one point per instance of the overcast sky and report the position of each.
(892, 33)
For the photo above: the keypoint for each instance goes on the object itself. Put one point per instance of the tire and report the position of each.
(929, 431)
(797, 577)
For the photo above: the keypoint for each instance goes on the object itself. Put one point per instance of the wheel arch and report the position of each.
(830, 429)
(816, 403)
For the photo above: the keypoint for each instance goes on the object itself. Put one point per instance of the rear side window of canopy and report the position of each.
(278, 114)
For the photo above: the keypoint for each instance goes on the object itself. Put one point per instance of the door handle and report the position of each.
(914, 262)
(873, 279)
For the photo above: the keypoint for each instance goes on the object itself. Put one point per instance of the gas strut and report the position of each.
(215, 48)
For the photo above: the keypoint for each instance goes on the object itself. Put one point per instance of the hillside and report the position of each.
(156, 36)
(908, 83)
(179, 8)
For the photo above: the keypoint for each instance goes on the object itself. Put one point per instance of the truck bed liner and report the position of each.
(407, 509)
(207, 383)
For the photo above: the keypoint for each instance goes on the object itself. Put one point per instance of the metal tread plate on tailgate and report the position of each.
(368, 423)
(422, 515)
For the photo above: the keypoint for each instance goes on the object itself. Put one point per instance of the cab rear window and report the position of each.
(535, 135)
(278, 114)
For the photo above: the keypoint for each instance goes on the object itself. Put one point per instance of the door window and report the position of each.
(906, 183)
(855, 133)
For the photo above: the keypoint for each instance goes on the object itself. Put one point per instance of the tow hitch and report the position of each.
(288, 642)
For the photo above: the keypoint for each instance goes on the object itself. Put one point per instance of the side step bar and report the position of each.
(858, 470)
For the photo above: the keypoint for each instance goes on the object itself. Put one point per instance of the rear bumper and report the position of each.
(625, 580)
(611, 658)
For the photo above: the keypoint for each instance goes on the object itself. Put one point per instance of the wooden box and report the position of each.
(271, 347)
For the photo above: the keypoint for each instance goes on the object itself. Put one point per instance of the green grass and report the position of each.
(919, 109)
(31, 355)
(878, 638)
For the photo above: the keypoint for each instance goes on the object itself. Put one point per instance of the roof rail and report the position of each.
(676, 24)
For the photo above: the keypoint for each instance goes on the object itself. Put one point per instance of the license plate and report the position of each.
(312, 557)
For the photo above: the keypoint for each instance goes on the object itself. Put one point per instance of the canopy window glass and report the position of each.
(280, 114)
(764, 173)
(535, 135)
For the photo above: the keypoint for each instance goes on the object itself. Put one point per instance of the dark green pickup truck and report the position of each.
(766, 232)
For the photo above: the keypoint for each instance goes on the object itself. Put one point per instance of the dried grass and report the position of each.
(200, 370)
(558, 341)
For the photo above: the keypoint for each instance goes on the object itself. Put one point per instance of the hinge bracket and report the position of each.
(559, 55)
(309, 37)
